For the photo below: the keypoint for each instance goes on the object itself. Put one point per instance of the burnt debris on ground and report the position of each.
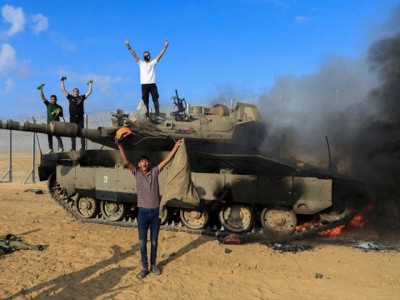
(289, 247)
(374, 246)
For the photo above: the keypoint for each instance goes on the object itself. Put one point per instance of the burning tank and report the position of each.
(240, 190)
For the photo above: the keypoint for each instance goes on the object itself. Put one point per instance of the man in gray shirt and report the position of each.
(148, 203)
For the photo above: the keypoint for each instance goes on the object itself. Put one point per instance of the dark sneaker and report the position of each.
(155, 270)
(142, 274)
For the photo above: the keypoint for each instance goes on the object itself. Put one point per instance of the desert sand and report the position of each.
(90, 261)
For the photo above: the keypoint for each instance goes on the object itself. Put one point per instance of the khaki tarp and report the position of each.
(178, 184)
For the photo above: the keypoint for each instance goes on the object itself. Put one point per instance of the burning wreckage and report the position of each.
(217, 184)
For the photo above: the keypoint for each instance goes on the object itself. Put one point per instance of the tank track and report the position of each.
(255, 236)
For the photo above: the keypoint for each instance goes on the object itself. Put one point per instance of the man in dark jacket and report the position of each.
(76, 109)
(54, 112)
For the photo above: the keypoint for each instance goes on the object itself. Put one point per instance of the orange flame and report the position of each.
(333, 231)
(307, 225)
(357, 221)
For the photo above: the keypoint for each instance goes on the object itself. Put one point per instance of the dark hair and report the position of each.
(55, 97)
(143, 157)
(146, 52)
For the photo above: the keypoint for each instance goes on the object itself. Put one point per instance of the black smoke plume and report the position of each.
(356, 103)
(376, 153)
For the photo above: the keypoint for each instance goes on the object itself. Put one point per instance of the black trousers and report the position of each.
(59, 140)
(148, 89)
(79, 120)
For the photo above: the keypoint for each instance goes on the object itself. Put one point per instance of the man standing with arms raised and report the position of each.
(54, 112)
(148, 203)
(76, 109)
(148, 77)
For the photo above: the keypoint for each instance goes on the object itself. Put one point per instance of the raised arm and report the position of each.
(63, 86)
(41, 94)
(125, 160)
(131, 51)
(90, 82)
(170, 155)
(162, 51)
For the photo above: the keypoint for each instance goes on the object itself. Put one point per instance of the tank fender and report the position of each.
(204, 205)
(176, 203)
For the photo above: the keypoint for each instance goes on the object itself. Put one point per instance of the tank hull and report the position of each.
(238, 193)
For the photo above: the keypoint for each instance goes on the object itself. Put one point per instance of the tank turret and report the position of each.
(209, 128)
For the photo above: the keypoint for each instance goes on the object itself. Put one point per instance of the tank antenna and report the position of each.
(329, 154)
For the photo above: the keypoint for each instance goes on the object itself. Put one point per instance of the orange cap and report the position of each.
(122, 133)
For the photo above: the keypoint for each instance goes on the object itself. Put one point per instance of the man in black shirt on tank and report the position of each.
(76, 109)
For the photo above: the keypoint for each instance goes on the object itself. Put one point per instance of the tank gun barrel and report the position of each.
(24, 126)
(100, 135)
(56, 128)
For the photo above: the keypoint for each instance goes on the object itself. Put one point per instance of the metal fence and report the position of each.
(9, 173)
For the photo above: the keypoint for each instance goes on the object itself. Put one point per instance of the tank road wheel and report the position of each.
(279, 222)
(237, 218)
(86, 207)
(194, 219)
(112, 211)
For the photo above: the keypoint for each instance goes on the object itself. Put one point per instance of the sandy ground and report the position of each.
(88, 261)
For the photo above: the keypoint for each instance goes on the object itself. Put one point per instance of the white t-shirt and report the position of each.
(147, 71)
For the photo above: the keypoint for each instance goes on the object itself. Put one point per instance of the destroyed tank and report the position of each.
(240, 190)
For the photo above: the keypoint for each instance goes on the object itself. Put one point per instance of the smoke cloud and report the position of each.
(300, 111)
(356, 103)
(377, 145)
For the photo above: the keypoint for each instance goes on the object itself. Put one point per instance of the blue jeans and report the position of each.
(148, 218)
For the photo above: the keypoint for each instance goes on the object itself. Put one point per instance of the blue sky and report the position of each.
(216, 47)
